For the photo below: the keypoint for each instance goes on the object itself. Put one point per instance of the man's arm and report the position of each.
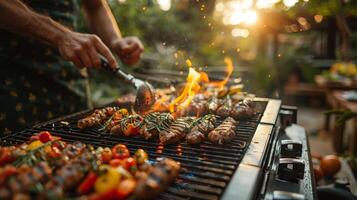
(102, 23)
(81, 49)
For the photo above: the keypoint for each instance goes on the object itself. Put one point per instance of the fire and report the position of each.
(229, 71)
(191, 88)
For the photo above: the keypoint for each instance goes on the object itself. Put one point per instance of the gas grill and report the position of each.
(267, 159)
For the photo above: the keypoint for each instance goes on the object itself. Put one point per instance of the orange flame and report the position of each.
(229, 71)
(191, 88)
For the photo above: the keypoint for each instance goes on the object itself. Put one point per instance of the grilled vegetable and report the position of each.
(128, 126)
(156, 180)
(108, 181)
(120, 151)
(98, 117)
(106, 155)
(224, 132)
(141, 156)
(175, 133)
(88, 183)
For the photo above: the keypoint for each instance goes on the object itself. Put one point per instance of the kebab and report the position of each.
(200, 129)
(224, 132)
(97, 117)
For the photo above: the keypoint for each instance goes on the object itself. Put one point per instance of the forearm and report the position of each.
(26, 22)
(101, 21)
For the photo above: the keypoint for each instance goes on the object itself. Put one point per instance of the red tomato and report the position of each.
(87, 184)
(125, 188)
(130, 164)
(106, 155)
(116, 163)
(131, 130)
(5, 156)
(44, 136)
(120, 151)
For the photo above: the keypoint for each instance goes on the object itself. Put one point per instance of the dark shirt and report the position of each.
(36, 84)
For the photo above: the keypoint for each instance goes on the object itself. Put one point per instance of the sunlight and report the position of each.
(237, 12)
(164, 4)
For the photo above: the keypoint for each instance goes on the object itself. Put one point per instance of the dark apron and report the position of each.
(36, 84)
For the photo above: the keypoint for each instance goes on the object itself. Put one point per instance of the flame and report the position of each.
(191, 88)
(229, 71)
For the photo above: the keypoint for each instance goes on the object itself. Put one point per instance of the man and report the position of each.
(38, 47)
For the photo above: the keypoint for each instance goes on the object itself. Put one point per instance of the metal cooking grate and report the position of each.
(205, 170)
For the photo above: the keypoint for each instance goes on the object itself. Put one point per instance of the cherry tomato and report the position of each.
(6, 156)
(125, 188)
(120, 151)
(106, 155)
(130, 165)
(116, 162)
(107, 181)
(44, 136)
(87, 184)
(141, 156)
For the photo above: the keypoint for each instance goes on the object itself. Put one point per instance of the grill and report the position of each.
(207, 171)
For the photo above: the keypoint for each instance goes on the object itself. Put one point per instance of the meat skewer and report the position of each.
(224, 132)
(175, 132)
(202, 127)
(97, 117)
(152, 183)
(26, 180)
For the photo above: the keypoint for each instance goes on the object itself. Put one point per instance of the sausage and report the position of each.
(224, 132)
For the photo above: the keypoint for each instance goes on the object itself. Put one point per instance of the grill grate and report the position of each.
(205, 170)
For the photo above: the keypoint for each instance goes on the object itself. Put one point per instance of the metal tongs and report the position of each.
(145, 92)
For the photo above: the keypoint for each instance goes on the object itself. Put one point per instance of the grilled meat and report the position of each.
(25, 180)
(201, 129)
(224, 132)
(225, 108)
(154, 123)
(156, 180)
(175, 132)
(68, 176)
(97, 117)
(243, 109)
(195, 137)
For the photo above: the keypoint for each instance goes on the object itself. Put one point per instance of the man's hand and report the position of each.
(83, 49)
(129, 49)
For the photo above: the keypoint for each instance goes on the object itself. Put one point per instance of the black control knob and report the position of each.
(291, 169)
(291, 149)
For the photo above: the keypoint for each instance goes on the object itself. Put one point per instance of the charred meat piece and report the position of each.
(175, 132)
(98, 117)
(154, 123)
(243, 109)
(195, 137)
(68, 176)
(152, 183)
(201, 128)
(25, 180)
(224, 132)
(225, 108)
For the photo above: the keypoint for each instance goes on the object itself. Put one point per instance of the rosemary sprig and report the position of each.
(31, 158)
